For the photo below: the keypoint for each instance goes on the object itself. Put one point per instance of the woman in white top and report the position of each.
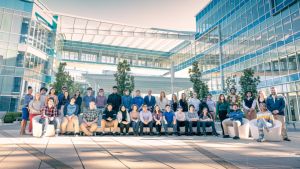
(162, 101)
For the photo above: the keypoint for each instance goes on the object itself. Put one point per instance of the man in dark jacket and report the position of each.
(109, 119)
(115, 99)
(150, 101)
(276, 105)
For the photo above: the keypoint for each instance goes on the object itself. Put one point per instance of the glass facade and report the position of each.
(264, 35)
(25, 47)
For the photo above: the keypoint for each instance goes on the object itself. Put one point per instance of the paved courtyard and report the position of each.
(144, 152)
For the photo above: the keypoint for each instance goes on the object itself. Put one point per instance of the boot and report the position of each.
(23, 127)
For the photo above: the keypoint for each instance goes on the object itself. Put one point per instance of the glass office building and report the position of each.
(264, 35)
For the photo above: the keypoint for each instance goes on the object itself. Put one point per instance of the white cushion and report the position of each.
(37, 128)
(274, 133)
(243, 130)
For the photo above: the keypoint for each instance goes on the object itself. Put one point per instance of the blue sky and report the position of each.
(167, 14)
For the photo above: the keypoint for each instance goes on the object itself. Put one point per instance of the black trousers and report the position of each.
(122, 126)
(142, 125)
(184, 124)
(222, 117)
(157, 127)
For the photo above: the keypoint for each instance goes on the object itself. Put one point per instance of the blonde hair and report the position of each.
(162, 93)
(261, 92)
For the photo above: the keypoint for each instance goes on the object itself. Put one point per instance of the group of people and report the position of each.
(116, 111)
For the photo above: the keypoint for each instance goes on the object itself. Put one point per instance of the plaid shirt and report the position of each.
(50, 112)
(90, 115)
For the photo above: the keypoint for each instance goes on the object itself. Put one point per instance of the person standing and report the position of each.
(183, 103)
(60, 95)
(249, 105)
(202, 105)
(62, 103)
(124, 120)
(150, 101)
(138, 100)
(25, 111)
(78, 101)
(88, 97)
(146, 120)
(101, 102)
(115, 99)
(90, 118)
(35, 107)
(157, 119)
(233, 98)
(174, 103)
(52, 95)
(70, 119)
(135, 119)
(50, 115)
(127, 100)
(276, 105)
(162, 101)
(222, 109)
(261, 99)
(194, 101)
(169, 120)
(43, 96)
(211, 105)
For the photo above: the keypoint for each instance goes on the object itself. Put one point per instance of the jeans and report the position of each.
(142, 125)
(194, 123)
(205, 124)
(46, 121)
(184, 124)
(135, 126)
(262, 124)
(169, 124)
(157, 127)
(101, 110)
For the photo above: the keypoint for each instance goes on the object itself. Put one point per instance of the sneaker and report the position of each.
(56, 135)
(236, 137)
(226, 136)
(286, 139)
(261, 140)
(102, 134)
(76, 134)
(94, 134)
(178, 134)
(114, 134)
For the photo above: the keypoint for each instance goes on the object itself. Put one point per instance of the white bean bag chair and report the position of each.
(274, 133)
(243, 130)
(37, 128)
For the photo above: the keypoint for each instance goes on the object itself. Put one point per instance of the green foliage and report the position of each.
(11, 117)
(199, 86)
(229, 84)
(123, 79)
(248, 82)
(63, 78)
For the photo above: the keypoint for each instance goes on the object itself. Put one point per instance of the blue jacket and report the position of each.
(66, 109)
(236, 115)
(279, 104)
(127, 101)
(139, 101)
(150, 103)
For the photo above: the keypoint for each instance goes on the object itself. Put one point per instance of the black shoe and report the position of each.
(226, 136)
(114, 134)
(151, 134)
(199, 134)
(166, 134)
(102, 134)
(286, 139)
(178, 134)
(141, 134)
(236, 137)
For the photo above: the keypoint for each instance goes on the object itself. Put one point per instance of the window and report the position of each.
(296, 21)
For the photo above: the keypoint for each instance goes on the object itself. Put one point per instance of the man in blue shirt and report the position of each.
(169, 120)
(88, 97)
(235, 119)
(25, 112)
(150, 101)
(138, 100)
(61, 95)
(70, 120)
(127, 100)
(276, 105)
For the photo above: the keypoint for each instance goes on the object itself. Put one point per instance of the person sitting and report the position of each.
(193, 120)
(206, 120)
(181, 121)
(124, 120)
(235, 119)
(135, 119)
(265, 120)
(50, 115)
(109, 119)
(157, 118)
(90, 118)
(70, 119)
(146, 120)
(169, 120)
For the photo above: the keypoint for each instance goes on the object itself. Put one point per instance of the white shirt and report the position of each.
(194, 102)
